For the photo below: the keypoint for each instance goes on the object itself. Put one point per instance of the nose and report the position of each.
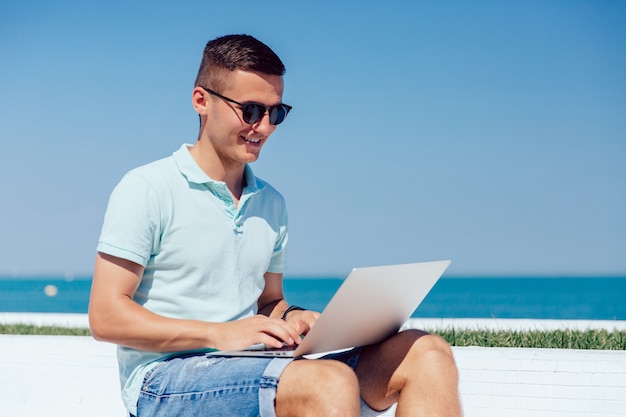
(264, 126)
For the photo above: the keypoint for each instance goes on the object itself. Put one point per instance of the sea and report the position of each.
(579, 298)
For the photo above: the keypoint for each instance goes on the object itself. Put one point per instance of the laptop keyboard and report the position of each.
(284, 348)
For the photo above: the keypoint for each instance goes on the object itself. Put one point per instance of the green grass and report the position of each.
(559, 339)
(562, 339)
(27, 329)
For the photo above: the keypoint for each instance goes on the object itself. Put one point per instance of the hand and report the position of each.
(302, 320)
(246, 332)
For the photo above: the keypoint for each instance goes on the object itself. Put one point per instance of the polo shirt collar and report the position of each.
(194, 174)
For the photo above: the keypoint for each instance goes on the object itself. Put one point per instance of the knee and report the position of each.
(321, 387)
(438, 344)
(424, 343)
(332, 379)
(432, 353)
(425, 353)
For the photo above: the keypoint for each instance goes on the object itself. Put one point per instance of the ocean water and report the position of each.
(593, 298)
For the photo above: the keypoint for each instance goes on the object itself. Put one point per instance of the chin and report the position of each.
(249, 158)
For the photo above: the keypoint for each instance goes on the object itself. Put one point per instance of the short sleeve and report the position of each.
(131, 226)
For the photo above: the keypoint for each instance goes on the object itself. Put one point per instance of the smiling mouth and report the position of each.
(251, 140)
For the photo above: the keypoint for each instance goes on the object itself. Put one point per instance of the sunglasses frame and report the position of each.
(266, 109)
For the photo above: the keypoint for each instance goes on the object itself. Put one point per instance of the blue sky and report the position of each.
(490, 133)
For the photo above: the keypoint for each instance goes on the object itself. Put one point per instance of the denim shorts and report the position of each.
(203, 385)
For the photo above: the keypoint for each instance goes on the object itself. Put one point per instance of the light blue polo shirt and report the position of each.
(204, 257)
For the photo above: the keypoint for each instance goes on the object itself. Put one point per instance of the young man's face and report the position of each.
(234, 141)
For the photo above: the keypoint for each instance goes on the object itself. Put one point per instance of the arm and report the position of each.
(115, 317)
(272, 303)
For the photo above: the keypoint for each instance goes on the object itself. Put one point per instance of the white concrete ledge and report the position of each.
(81, 321)
(58, 375)
(509, 382)
(77, 376)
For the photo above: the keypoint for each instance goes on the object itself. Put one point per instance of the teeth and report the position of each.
(251, 140)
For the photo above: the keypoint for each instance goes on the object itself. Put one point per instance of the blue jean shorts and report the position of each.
(203, 385)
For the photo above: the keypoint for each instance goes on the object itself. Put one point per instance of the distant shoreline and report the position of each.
(81, 277)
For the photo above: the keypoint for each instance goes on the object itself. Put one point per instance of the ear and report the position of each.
(198, 100)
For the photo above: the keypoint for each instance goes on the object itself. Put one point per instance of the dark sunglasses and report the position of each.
(253, 112)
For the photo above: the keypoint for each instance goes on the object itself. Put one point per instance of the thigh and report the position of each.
(205, 385)
(349, 357)
(352, 358)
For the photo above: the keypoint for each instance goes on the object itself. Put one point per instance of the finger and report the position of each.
(312, 318)
(306, 321)
(282, 331)
(270, 341)
(301, 327)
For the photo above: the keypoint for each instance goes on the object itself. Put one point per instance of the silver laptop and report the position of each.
(371, 305)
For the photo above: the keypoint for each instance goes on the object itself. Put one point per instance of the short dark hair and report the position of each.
(235, 52)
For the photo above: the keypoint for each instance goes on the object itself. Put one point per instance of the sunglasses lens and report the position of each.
(278, 114)
(252, 112)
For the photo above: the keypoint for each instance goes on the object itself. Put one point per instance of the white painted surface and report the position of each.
(81, 320)
(77, 376)
(58, 375)
(542, 382)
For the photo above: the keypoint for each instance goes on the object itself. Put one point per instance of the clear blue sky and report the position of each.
(490, 133)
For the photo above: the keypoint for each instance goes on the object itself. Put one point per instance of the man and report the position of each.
(191, 258)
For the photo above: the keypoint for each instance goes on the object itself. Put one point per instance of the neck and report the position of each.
(232, 174)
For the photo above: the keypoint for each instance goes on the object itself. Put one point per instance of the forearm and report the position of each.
(126, 323)
(272, 302)
(273, 309)
(115, 317)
